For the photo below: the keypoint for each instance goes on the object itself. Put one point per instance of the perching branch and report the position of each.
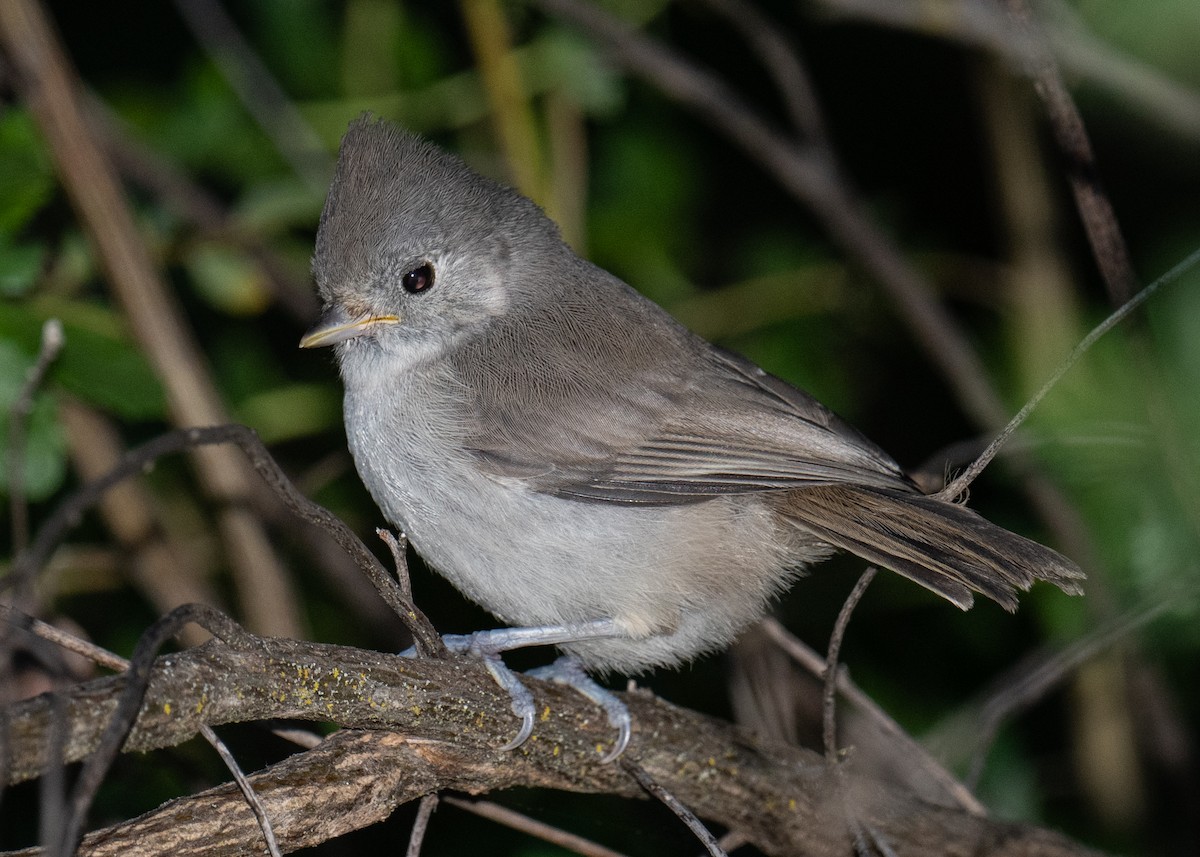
(436, 724)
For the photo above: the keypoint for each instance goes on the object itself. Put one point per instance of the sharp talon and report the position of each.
(624, 733)
(522, 699)
(524, 732)
(566, 670)
(487, 645)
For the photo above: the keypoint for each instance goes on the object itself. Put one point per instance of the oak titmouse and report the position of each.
(573, 459)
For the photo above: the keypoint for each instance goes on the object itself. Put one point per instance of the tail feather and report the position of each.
(943, 546)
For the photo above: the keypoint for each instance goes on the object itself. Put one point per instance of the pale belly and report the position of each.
(679, 580)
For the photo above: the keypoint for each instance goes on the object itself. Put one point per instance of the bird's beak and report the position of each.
(335, 325)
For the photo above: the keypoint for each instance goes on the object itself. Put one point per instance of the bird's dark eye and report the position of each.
(418, 279)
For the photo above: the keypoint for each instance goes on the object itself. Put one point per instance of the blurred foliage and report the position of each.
(673, 208)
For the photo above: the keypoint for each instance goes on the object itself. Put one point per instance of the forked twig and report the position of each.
(403, 593)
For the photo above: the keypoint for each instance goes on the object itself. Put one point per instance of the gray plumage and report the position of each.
(563, 451)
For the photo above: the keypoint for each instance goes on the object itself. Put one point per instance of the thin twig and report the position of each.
(783, 64)
(956, 488)
(125, 715)
(263, 97)
(426, 646)
(829, 697)
(252, 799)
(18, 418)
(417, 837)
(519, 821)
(72, 508)
(672, 803)
(63, 639)
(1095, 207)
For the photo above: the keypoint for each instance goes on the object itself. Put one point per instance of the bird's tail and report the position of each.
(940, 545)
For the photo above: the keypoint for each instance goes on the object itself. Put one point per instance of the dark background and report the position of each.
(949, 150)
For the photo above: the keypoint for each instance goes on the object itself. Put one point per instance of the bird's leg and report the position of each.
(488, 646)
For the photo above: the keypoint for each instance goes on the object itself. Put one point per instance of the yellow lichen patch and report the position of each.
(545, 713)
(557, 749)
(792, 804)
(600, 749)
(167, 708)
(416, 709)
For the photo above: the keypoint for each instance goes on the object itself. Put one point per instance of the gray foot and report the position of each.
(488, 646)
(567, 670)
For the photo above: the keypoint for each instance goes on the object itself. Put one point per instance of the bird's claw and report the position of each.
(487, 646)
(567, 670)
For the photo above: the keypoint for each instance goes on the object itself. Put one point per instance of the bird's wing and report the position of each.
(689, 424)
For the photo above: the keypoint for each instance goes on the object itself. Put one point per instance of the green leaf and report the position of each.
(26, 178)
(20, 265)
(98, 363)
(292, 411)
(227, 279)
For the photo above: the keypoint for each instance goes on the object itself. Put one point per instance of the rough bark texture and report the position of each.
(434, 724)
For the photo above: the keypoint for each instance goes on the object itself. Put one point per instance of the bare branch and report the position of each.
(1095, 208)
(449, 716)
(428, 804)
(959, 485)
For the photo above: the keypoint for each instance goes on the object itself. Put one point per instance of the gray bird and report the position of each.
(573, 459)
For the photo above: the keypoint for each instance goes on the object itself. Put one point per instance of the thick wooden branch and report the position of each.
(444, 720)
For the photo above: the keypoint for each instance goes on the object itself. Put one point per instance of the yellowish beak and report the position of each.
(335, 325)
